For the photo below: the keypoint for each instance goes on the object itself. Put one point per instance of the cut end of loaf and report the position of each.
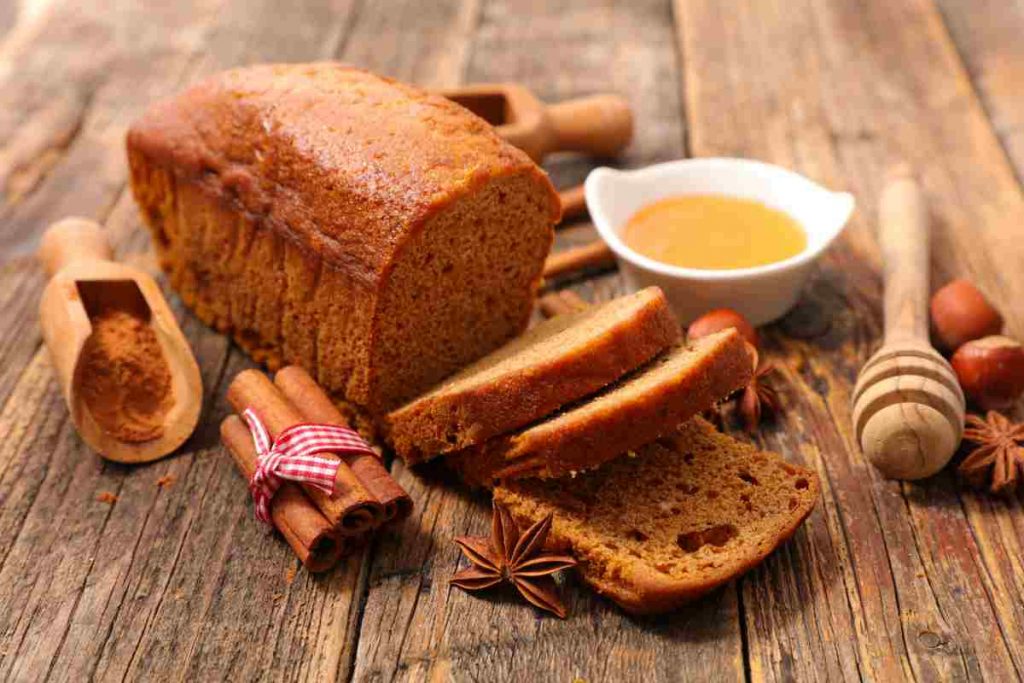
(681, 516)
(461, 287)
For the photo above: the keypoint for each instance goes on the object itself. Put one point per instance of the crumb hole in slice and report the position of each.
(637, 535)
(716, 536)
(793, 503)
(748, 477)
(802, 483)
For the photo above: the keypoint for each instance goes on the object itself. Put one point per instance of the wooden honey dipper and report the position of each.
(908, 408)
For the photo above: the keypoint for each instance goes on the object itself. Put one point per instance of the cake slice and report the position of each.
(555, 363)
(686, 514)
(641, 407)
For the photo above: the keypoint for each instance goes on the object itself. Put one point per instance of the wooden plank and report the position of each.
(837, 90)
(987, 33)
(164, 579)
(565, 49)
(415, 626)
(65, 108)
(405, 40)
(884, 581)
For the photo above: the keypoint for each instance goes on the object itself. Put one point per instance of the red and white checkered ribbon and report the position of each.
(292, 456)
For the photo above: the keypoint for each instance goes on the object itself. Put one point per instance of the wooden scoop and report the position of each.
(87, 286)
(908, 408)
(601, 125)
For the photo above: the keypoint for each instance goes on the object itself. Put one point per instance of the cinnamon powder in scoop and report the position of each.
(125, 380)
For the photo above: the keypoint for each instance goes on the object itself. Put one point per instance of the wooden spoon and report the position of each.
(908, 408)
(85, 283)
(601, 125)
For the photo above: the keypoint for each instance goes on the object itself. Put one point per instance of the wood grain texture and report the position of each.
(987, 34)
(160, 582)
(176, 581)
(861, 86)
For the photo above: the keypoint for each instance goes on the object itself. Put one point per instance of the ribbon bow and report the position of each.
(292, 456)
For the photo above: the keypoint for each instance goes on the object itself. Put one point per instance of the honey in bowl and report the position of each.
(713, 232)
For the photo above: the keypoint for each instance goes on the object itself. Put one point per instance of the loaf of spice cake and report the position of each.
(379, 236)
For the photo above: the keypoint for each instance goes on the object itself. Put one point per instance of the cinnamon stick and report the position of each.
(597, 254)
(557, 303)
(315, 542)
(573, 202)
(316, 406)
(352, 509)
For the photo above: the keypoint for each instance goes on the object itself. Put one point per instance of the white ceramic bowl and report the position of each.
(763, 293)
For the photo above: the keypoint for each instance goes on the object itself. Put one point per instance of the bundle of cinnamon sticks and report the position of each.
(319, 527)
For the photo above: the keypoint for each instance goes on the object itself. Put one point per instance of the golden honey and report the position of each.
(713, 232)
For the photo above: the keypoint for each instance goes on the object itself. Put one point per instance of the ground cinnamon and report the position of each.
(316, 406)
(125, 380)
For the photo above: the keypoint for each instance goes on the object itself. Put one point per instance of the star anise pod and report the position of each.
(759, 398)
(999, 457)
(518, 559)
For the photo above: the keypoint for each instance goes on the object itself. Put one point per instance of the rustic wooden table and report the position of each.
(175, 580)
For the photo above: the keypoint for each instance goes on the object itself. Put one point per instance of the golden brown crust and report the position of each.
(315, 150)
(646, 405)
(302, 208)
(624, 522)
(518, 384)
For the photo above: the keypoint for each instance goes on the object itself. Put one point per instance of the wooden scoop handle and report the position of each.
(601, 125)
(904, 238)
(73, 239)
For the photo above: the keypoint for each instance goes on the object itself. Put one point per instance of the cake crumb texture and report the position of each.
(679, 517)
(642, 406)
(554, 363)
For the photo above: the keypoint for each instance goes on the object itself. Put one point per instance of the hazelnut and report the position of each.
(991, 371)
(722, 319)
(961, 313)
